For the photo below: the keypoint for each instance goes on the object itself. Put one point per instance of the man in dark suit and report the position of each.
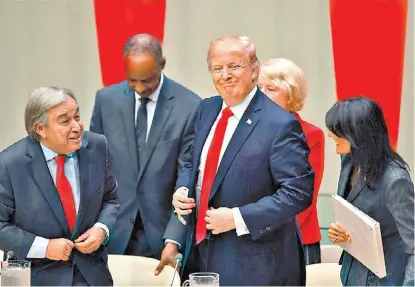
(249, 180)
(148, 121)
(58, 194)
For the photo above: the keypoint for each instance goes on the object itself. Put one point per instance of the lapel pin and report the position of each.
(249, 121)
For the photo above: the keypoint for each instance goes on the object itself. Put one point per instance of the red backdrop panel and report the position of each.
(368, 38)
(116, 22)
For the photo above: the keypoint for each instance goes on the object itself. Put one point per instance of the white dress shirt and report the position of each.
(151, 105)
(233, 122)
(71, 169)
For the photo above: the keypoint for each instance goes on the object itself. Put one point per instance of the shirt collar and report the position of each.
(50, 154)
(239, 110)
(155, 95)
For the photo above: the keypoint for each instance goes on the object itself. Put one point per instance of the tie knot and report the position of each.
(144, 101)
(227, 113)
(60, 160)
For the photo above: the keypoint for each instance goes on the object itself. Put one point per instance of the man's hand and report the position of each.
(219, 220)
(59, 249)
(91, 240)
(182, 204)
(168, 257)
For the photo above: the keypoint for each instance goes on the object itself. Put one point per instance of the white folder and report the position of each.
(366, 240)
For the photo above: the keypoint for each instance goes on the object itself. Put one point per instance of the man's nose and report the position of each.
(225, 74)
(139, 88)
(76, 127)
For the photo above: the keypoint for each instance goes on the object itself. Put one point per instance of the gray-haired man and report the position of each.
(58, 194)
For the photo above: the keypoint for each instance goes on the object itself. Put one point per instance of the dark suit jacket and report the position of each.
(308, 219)
(265, 172)
(391, 203)
(147, 189)
(30, 207)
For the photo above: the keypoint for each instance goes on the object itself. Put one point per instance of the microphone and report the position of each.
(9, 255)
(179, 258)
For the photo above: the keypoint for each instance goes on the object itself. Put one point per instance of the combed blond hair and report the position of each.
(245, 44)
(290, 78)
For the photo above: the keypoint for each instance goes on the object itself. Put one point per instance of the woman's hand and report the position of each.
(337, 234)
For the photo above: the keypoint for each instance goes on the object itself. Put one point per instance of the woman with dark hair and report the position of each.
(375, 179)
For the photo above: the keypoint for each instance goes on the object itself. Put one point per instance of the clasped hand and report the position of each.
(218, 220)
(88, 242)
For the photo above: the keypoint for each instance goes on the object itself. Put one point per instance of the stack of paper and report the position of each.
(366, 244)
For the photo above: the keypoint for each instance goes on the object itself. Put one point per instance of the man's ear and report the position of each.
(40, 130)
(162, 62)
(256, 71)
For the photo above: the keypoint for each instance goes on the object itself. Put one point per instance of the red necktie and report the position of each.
(65, 192)
(211, 166)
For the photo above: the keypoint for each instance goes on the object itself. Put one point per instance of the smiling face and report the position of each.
(64, 128)
(343, 146)
(232, 73)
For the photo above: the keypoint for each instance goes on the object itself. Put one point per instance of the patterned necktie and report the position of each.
(211, 166)
(65, 192)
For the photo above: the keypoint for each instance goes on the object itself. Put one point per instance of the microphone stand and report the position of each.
(179, 258)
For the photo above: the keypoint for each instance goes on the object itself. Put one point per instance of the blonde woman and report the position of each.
(284, 83)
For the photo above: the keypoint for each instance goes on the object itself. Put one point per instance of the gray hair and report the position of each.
(142, 44)
(40, 101)
(245, 43)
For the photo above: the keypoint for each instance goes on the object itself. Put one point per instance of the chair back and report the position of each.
(129, 270)
(323, 274)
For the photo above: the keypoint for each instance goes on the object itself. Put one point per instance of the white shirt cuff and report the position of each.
(107, 232)
(38, 248)
(240, 226)
(172, 241)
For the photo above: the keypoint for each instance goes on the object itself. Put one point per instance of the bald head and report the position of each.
(142, 44)
(143, 63)
(237, 43)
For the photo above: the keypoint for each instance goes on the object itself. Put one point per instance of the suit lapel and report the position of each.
(246, 125)
(40, 173)
(356, 189)
(164, 106)
(344, 176)
(209, 119)
(128, 113)
(85, 162)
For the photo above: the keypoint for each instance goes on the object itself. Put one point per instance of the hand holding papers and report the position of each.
(366, 244)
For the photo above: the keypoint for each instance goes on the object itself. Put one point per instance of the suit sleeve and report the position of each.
(12, 238)
(184, 167)
(110, 205)
(175, 230)
(96, 120)
(316, 159)
(293, 178)
(399, 199)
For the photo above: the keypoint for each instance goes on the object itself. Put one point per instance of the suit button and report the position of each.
(132, 220)
(268, 228)
(261, 231)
